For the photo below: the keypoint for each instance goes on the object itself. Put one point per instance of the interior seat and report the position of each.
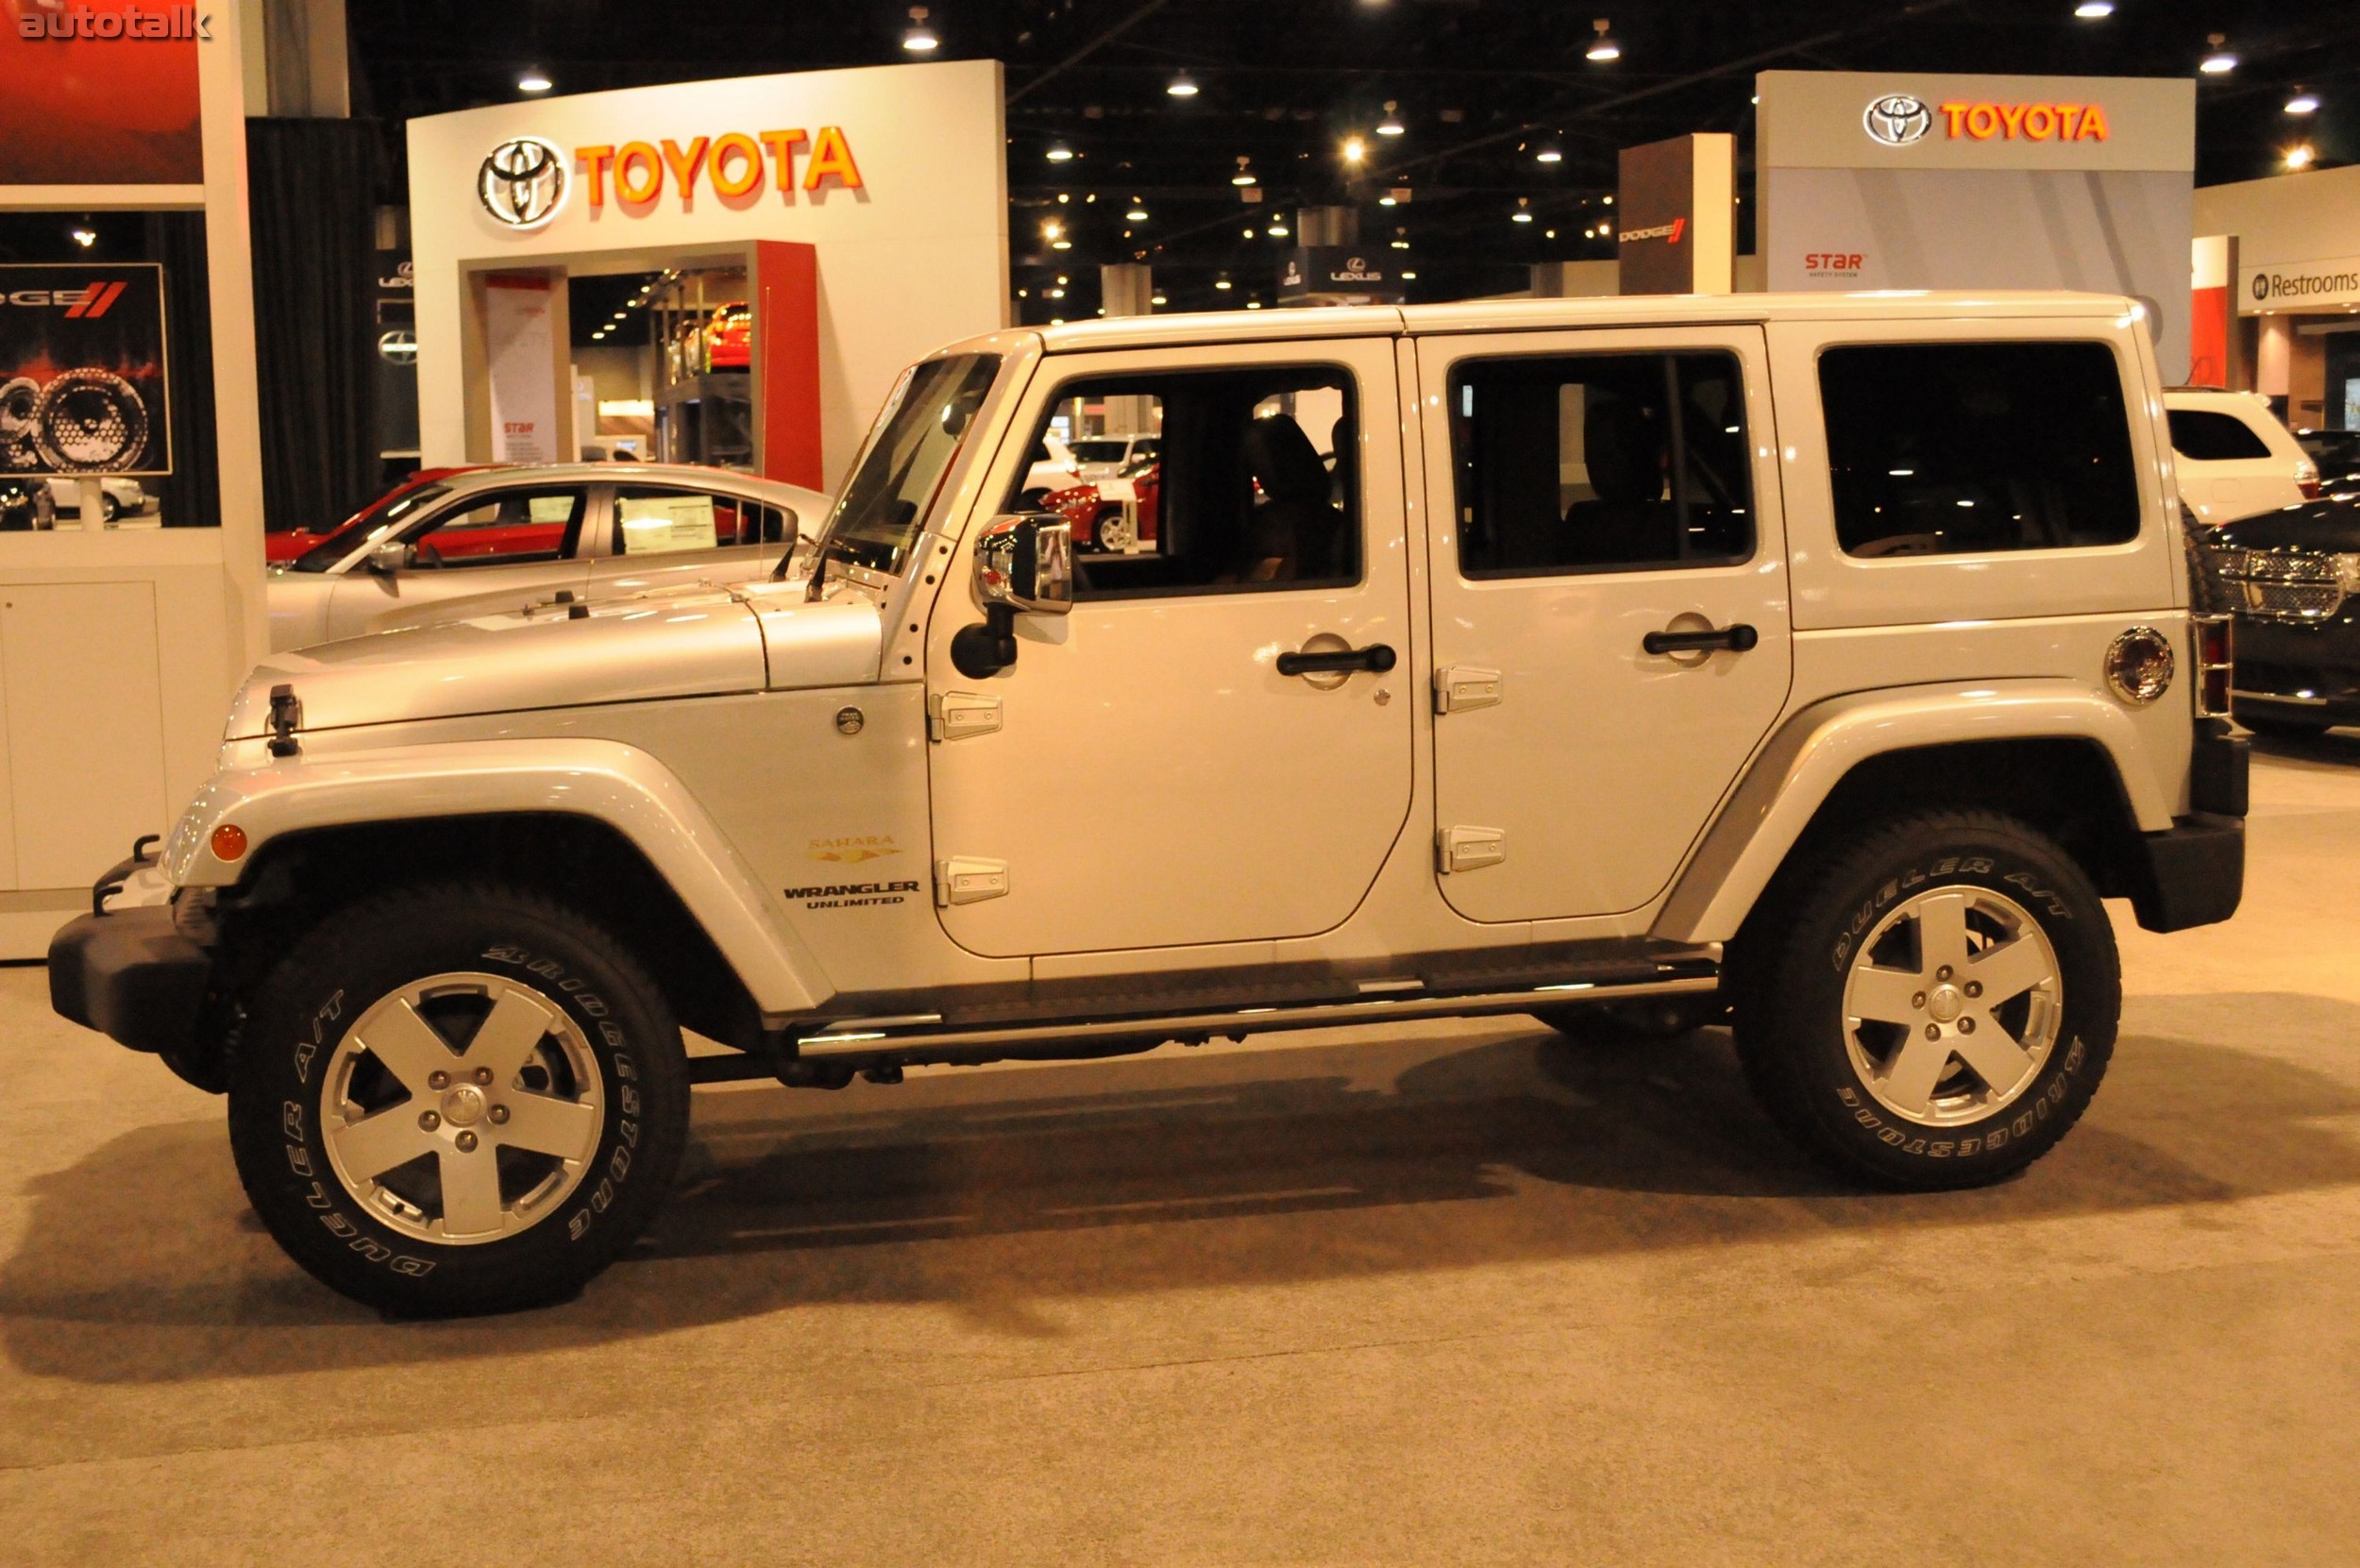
(1296, 533)
(1629, 520)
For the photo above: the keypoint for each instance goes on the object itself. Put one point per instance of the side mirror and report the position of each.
(1024, 563)
(779, 525)
(388, 558)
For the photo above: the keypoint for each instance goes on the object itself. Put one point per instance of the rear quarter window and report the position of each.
(1969, 448)
(2204, 436)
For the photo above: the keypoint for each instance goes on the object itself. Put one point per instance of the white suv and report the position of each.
(2234, 458)
(1812, 663)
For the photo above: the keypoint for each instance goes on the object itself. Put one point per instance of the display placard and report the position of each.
(82, 383)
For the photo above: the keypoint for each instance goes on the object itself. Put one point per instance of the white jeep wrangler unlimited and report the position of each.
(1814, 663)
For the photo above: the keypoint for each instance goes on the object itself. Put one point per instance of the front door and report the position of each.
(1610, 618)
(489, 553)
(1147, 773)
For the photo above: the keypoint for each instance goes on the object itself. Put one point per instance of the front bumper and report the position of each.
(2300, 670)
(134, 978)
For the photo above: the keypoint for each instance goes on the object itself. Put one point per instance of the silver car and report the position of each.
(498, 539)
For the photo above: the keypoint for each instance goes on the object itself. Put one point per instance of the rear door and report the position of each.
(1610, 612)
(650, 536)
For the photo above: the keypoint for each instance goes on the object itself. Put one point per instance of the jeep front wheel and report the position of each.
(1935, 1007)
(455, 1100)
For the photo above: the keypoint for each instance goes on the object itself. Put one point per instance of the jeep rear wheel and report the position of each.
(1934, 1008)
(457, 1099)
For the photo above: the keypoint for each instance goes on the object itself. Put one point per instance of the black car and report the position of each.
(2292, 579)
(2337, 455)
(25, 503)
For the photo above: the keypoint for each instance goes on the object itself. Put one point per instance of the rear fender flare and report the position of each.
(1813, 750)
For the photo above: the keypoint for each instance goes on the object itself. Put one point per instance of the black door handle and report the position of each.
(1736, 638)
(1377, 658)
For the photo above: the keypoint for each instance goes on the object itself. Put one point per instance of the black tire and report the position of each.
(1629, 1026)
(1791, 964)
(109, 508)
(613, 1047)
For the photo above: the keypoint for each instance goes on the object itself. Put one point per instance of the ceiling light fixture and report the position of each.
(1522, 212)
(1157, 300)
(2094, 10)
(2303, 102)
(1391, 124)
(1603, 47)
(1409, 277)
(1609, 201)
(920, 38)
(2300, 157)
(85, 237)
(534, 81)
(1180, 86)
(1387, 201)
(1548, 152)
(2220, 61)
(1060, 153)
(1400, 244)
(1279, 231)
(1222, 283)
(1137, 214)
(1244, 176)
(1355, 150)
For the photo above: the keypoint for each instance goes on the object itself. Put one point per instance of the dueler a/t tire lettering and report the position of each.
(1790, 969)
(279, 1088)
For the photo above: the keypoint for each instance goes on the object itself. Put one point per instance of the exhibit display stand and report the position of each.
(120, 647)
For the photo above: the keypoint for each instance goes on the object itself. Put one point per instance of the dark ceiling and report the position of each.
(1479, 86)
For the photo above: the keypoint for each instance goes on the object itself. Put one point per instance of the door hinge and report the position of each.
(966, 879)
(1460, 687)
(1469, 848)
(957, 715)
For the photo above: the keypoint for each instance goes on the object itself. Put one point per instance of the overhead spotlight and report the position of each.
(1609, 201)
(1400, 244)
(2303, 102)
(1603, 47)
(1222, 284)
(1061, 244)
(1244, 176)
(1387, 201)
(2300, 157)
(85, 237)
(2220, 61)
(534, 81)
(1253, 304)
(1548, 152)
(1278, 231)
(1522, 212)
(1245, 233)
(1355, 150)
(2094, 10)
(1137, 214)
(1550, 235)
(1157, 300)
(1409, 277)
(1391, 124)
(1180, 86)
(920, 39)
(1053, 294)
(1060, 153)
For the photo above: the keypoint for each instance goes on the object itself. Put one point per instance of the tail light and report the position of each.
(2214, 647)
(2307, 480)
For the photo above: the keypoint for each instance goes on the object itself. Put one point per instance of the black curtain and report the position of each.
(191, 494)
(311, 187)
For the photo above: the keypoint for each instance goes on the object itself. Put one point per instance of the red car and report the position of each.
(290, 544)
(1115, 515)
(730, 337)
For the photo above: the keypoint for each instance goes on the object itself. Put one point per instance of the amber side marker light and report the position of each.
(228, 841)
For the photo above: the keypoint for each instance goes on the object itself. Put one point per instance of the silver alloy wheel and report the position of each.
(1115, 533)
(470, 1138)
(1953, 1002)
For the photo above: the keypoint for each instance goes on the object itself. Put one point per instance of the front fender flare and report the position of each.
(620, 785)
(1814, 748)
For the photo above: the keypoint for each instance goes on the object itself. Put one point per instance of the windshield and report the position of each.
(909, 451)
(374, 521)
(1101, 451)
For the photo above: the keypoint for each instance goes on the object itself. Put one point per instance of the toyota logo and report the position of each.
(1896, 120)
(522, 182)
(2261, 285)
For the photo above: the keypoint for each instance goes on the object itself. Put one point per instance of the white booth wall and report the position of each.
(914, 256)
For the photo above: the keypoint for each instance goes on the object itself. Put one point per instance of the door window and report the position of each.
(668, 522)
(1254, 482)
(501, 529)
(1950, 449)
(1600, 462)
